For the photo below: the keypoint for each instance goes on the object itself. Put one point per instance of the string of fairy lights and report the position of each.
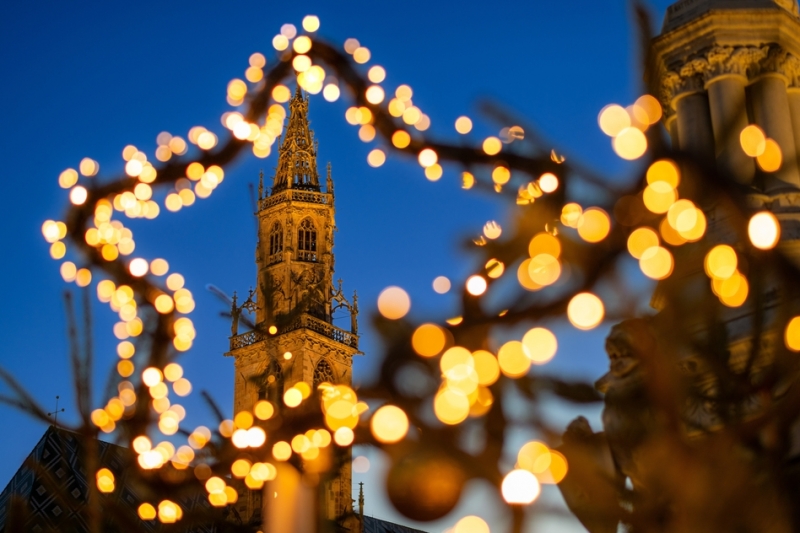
(93, 245)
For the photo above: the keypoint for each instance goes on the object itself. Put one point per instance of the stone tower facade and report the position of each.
(723, 65)
(294, 338)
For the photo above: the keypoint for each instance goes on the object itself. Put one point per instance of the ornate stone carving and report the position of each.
(698, 70)
(323, 373)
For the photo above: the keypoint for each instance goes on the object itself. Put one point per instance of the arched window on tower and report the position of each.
(323, 373)
(307, 241)
(272, 384)
(275, 243)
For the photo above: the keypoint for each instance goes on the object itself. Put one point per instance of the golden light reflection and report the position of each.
(732, 292)
(630, 144)
(494, 268)
(513, 359)
(664, 170)
(613, 119)
(764, 230)
(376, 158)
(792, 334)
(311, 23)
(486, 366)
(721, 262)
(753, 140)
(492, 146)
(428, 340)
(541, 345)
(78, 195)
(501, 175)
(659, 196)
(389, 424)
(544, 269)
(492, 230)
(375, 94)
(434, 172)
(441, 284)
(68, 178)
(394, 303)
(401, 139)
(534, 457)
(146, 511)
(450, 407)
(476, 285)
(331, 92)
(571, 215)
(463, 125)
(548, 182)
(772, 158)
(427, 157)
(524, 277)
(585, 311)
(651, 107)
(520, 487)
(640, 240)
(361, 55)
(594, 225)
(470, 524)
(656, 262)
(280, 43)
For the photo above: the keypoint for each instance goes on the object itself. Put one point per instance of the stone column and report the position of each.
(672, 129)
(726, 98)
(695, 133)
(794, 109)
(772, 114)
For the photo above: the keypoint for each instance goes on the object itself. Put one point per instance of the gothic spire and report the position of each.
(297, 157)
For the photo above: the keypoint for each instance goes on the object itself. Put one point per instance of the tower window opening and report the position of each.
(323, 373)
(275, 243)
(307, 241)
(272, 384)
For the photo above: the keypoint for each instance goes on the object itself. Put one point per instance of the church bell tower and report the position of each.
(294, 338)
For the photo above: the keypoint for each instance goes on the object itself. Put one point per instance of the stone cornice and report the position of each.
(745, 42)
(747, 62)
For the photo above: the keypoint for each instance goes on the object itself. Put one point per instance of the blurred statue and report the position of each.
(600, 462)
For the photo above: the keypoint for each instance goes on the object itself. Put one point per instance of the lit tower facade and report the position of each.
(723, 65)
(294, 338)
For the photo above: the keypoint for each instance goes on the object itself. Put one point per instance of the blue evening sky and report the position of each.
(87, 78)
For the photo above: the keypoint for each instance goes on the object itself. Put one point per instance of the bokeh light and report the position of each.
(476, 285)
(513, 359)
(792, 334)
(764, 230)
(441, 284)
(594, 225)
(428, 340)
(389, 424)
(753, 140)
(656, 262)
(664, 170)
(613, 119)
(541, 345)
(463, 125)
(394, 303)
(520, 487)
(585, 311)
(630, 144)
(772, 157)
(640, 240)
(471, 524)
